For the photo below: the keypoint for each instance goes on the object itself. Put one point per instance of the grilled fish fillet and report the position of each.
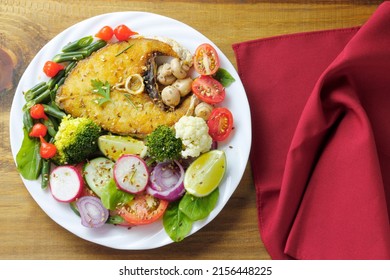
(125, 114)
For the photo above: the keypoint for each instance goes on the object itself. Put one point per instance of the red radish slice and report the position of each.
(66, 183)
(92, 212)
(131, 173)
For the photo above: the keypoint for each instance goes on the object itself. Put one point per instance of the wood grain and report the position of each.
(26, 232)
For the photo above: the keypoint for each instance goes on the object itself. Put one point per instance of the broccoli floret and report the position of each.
(75, 140)
(163, 145)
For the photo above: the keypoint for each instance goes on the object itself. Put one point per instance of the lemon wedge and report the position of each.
(205, 173)
(113, 146)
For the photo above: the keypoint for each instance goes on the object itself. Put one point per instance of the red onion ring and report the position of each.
(93, 213)
(166, 181)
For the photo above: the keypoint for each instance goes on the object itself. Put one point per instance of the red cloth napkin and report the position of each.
(320, 106)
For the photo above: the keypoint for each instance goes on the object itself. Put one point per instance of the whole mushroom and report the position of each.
(164, 74)
(170, 96)
(177, 69)
(183, 85)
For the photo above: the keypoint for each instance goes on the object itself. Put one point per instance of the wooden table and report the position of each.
(26, 232)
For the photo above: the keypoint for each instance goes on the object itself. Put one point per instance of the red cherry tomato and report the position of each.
(208, 89)
(220, 123)
(122, 32)
(37, 112)
(206, 60)
(105, 33)
(143, 209)
(51, 68)
(47, 150)
(38, 130)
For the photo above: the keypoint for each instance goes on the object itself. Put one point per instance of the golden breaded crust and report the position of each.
(126, 114)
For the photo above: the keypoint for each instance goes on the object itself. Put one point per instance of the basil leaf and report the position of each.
(111, 196)
(198, 208)
(224, 77)
(28, 159)
(176, 224)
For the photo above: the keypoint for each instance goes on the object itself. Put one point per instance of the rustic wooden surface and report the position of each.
(26, 232)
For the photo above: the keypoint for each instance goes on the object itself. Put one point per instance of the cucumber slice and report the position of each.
(97, 173)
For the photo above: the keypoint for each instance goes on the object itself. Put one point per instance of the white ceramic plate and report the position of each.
(237, 148)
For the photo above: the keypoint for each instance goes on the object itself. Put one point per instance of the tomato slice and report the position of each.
(105, 33)
(220, 123)
(143, 209)
(208, 89)
(206, 60)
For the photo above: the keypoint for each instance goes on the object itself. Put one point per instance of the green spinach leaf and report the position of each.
(176, 224)
(224, 77)
(28, 159)
(198, 208)
(111, 196)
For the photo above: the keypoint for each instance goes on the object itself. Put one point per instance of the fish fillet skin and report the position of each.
(125, 114)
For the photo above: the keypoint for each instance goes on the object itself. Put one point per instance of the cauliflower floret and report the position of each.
(194, 133)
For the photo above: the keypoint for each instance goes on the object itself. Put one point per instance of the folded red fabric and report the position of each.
(320, 107)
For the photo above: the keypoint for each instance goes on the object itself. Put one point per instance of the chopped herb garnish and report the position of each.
(128, 47)
(102, 89)
(224, 77)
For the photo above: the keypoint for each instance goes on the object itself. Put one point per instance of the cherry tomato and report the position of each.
(47, 150)
(206, 60)
(105, 33)
(122, 32)
(220, 123)
(37, 112)
(208, 89)
(143, 209)
(51, 68)
(38, 130)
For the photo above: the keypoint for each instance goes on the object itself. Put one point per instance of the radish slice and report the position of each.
(92, 212)
(166, 181)
(66, 183)
(131, 173)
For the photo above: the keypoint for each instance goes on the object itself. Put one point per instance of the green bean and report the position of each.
(35, 91)
(95, 46)
(69, 67)
(45, 171)
(78, 44)
(42, 98)
(27, 120)
(71, 56)
(53, 81)
(51, 129)
(53, 111)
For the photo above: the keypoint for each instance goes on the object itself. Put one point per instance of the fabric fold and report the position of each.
(321, 134)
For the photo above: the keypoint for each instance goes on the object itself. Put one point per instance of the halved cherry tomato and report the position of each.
(38, 130)
(206, 60)
(122, 32)
(105, 33)
(51, 68)
(220, 123)
(208, 89)
(37, 112)
(143, 209)
(47, 150)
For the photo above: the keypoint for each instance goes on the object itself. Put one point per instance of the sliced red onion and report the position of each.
(93, 213)
(166, 181)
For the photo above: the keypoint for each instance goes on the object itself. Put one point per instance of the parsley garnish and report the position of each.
(102, 89)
